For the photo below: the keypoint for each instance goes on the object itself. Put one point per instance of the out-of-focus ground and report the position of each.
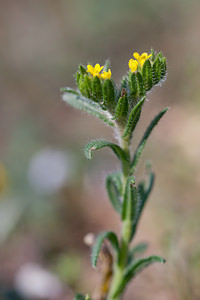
(51, 196)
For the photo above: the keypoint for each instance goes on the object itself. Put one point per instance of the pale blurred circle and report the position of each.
(34, 282)
(49, 170)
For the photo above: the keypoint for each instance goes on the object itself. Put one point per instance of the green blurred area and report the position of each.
(42, 43)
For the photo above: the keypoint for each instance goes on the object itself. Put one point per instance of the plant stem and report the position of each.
(120, 264)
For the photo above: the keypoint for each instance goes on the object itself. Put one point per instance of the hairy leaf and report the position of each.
(89, 106)
(98, 144)
(111, 236)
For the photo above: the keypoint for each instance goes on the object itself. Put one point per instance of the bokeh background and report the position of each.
(51, 196)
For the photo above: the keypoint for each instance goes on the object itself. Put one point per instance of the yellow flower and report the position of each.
(133, 64)
(141, 58)
(94, 70)
(106, 75)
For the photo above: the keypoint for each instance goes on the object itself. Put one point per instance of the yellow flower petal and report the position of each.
(106, 75)
(90, 69)
(133, 64)
(98, 68)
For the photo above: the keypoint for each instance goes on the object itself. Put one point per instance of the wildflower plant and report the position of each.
(120, 106)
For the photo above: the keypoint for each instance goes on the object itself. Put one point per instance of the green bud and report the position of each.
(87, 86)
(82, 70)
(163, 67)
(156, 71)
(121, 111)
(152, 55)
(96, 89)
(147, 75)
(109, 94)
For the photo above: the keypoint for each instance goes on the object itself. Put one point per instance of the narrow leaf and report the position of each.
(111, 236)
(98, 144)
(133, 118)
(136, 267)
(142, 143)
(114, 190)
(89, 106)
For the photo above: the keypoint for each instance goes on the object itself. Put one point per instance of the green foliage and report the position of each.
(114, 190)
(111, 236)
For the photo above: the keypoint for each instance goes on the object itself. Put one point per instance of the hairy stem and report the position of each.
(120, 264)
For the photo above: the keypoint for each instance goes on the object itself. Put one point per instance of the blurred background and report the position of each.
(50, 195)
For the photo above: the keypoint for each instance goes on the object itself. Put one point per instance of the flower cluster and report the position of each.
(95, 71)
(94, 82)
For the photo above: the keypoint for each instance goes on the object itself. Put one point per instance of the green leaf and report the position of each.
(136, 267)
(114, 190)
(89, 106)
(143, 141)
(111, 236)
(133, 119)
(130, 200)
(147, 75)
(98, 144)
(79, 297)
